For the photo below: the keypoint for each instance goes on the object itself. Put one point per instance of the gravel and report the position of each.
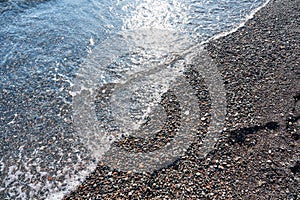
(258, 154)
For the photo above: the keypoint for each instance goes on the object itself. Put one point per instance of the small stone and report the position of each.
(129, 172)
(236, 158)
(215, 161)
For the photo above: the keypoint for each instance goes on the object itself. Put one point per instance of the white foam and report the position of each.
(188, 53)
(146, 90)
(250, 16)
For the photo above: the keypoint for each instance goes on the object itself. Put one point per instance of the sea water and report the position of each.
(46, 45)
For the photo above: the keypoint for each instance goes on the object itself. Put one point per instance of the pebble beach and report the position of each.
(145, 99)
(258, 153)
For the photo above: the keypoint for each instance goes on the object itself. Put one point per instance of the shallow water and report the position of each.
(48, 50)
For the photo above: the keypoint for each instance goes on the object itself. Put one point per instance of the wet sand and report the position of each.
(258, 154)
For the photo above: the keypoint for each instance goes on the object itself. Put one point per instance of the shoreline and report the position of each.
(249, 17)
(258, 154)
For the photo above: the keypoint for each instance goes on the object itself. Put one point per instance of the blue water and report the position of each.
(43, 45)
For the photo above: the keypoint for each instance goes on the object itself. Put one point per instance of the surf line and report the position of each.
(99, 140)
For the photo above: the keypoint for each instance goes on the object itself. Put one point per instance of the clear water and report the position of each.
(45, 45)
